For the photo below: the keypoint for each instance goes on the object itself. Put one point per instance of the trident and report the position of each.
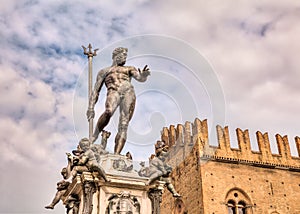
(90, 54)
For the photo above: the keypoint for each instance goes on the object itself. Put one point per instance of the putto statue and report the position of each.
(158, 169)
(84, 160)
(120, 92)
(61, 189)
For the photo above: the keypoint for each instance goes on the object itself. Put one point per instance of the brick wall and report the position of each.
(208, 177)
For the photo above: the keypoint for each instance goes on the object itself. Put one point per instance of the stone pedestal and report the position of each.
(126, 192)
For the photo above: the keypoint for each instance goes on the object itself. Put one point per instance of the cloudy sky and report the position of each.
(234, 62)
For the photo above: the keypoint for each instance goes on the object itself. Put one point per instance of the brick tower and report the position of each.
(220, 179)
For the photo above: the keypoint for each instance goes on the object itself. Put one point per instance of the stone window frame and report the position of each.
(237, 201)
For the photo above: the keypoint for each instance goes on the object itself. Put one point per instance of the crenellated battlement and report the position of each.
(182, 139)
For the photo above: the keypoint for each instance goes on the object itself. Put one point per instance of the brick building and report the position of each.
(221, 180)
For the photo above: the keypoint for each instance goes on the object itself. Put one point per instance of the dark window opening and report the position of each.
(234, 208)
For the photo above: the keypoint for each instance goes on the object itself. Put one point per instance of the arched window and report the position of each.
(238, 202)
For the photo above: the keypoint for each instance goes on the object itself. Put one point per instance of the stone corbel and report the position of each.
(89, 188)
(155, 195)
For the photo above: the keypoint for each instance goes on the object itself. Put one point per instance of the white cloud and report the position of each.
(253, 46)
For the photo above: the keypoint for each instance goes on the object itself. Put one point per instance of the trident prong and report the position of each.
(90, 52)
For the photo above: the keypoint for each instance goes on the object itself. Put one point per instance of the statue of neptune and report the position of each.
(120, 92)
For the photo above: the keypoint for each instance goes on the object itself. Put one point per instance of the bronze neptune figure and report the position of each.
(120, 92)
